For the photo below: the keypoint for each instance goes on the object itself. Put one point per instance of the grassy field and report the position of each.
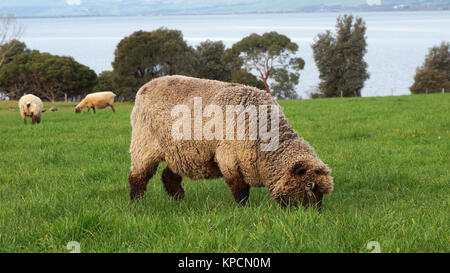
(66, 180)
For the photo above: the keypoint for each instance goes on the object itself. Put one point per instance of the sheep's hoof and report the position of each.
(242, 201)
(134, 196)
(179, 195)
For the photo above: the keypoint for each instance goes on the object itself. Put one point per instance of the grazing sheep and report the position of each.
(31, 106)
(292, 173)
(97, 100)
(53, 109)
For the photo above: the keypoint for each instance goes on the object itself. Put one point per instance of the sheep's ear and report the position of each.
(298, 169)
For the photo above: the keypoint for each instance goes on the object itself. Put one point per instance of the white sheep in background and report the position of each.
(97, 100)
(31, 106)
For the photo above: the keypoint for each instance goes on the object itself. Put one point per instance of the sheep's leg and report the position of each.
(112, 107)
(33, 118)
(138, 181)
(172, 184)
(89, 109)
(233, 176)
(24, 117)
(93, 109)
(38, 119)
(239, 189)
(145, 158)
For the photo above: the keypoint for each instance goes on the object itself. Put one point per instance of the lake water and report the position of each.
(397, 41)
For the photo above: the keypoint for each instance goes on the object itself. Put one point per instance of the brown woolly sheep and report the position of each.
(97, 100)
(31, 106)
(292, 173)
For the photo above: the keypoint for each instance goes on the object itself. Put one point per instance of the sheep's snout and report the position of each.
(77, 110)
(312, 196)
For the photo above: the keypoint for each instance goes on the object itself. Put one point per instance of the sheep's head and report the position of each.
(77, 110)
(305, 182)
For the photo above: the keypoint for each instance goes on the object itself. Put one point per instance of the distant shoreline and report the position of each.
(231, 13)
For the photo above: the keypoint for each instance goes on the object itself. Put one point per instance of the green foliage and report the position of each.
(242, 76)
(439, 58)
(105, 82)
(340, 58)
(266, 55)
(434, 74)
(284, 86)
(47, 76)
(144, 56)
(430, 81)
(66, 180)
(209, 64)
(10, 50)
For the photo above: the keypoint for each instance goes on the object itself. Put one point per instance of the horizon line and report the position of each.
(226, 13)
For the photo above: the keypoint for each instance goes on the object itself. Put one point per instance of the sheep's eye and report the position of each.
(320, 172)
(301, 171)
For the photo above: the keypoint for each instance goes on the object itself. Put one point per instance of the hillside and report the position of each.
(25, 8)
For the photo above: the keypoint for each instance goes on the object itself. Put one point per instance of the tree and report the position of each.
(284, 87)
(10, 32)
(10, 50)
(143, 56)
(340, 58)
(242, 76)
(209, 64)
(105, 82)
(47, 76)
(430, 81)
(266, 55)
(439, 58)
(434, 74)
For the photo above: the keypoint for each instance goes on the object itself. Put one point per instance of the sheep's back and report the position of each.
(35, 107)
(156, 100)
(101, 99)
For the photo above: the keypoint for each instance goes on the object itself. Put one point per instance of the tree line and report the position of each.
(268, 61)
(256, 60)
(433, 76)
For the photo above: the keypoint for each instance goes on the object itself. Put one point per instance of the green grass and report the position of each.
(66, 180)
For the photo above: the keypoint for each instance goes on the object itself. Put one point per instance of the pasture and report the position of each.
(66, 180)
